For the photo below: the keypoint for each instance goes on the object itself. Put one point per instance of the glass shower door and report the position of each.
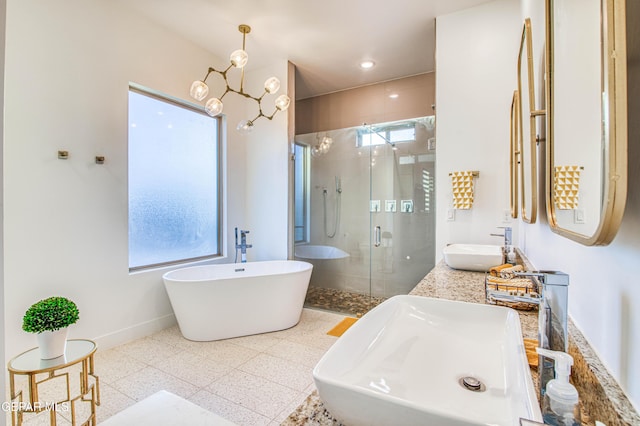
(364, 216)
(401, 208)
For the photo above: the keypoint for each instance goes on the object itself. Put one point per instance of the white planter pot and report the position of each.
(52, 344)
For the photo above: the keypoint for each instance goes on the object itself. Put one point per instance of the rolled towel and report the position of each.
(530, 349)
(514, 281)
(510, 272)
(495, 271)
(509, 284)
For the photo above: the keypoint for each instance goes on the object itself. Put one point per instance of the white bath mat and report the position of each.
(165, 409)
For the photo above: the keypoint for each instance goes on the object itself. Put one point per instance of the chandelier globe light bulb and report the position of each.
(282, 102)
(245, 127)
(213, 107)
(272, 85)
(199, 90)
(239, 58)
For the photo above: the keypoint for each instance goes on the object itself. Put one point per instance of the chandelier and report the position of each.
(322, 146)
(213, 106)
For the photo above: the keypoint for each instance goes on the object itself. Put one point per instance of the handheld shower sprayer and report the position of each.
(337, 207)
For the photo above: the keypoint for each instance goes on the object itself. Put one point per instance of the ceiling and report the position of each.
(326, 40)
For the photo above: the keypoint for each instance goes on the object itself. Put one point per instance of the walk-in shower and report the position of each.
(364, 213)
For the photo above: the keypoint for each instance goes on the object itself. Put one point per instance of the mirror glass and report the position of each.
(586, 118)
(514, 155)
(526, 128)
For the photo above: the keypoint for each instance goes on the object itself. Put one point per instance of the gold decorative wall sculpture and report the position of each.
(462, 183)
(566, 185)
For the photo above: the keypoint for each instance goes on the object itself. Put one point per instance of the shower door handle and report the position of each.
(376, 236)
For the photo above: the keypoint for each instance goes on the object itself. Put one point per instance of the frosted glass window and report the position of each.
(174, 178)
(371, 139)
(383, 133)
(402, 134)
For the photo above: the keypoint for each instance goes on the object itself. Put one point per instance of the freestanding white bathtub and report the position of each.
(214, 302)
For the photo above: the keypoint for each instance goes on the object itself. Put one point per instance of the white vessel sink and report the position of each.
(402, 363)
(472, 257)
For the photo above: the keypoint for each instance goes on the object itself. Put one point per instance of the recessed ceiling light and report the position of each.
(365, 65)
(394, 96)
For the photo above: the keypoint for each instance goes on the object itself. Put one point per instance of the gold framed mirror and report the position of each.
(526, 128)
(587, 118)
(514, 154)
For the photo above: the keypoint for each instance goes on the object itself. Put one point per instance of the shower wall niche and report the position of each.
(364, 211)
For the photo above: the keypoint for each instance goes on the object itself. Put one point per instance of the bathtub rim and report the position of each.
(167, 278)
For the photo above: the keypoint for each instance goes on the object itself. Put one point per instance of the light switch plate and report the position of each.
(451, 215)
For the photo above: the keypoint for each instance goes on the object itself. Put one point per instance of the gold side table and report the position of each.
(79, 353)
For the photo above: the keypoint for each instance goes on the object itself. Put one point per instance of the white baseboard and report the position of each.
(134, 332)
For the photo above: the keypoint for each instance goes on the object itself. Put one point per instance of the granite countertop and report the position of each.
(465, 286)
(601, 397)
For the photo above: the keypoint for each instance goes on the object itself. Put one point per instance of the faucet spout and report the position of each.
(552, 319)
(243, 246)
(508, 238)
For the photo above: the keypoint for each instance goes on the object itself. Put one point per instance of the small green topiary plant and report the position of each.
(50, 314)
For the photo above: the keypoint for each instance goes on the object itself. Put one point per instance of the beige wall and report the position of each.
(367, 104)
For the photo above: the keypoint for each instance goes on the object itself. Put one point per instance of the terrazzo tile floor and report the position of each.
(251, 380)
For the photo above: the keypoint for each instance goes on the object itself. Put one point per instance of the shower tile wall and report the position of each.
(406, 254)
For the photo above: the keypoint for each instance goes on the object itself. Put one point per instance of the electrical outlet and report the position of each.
(451, 215)
(578, 216)
(506, 216)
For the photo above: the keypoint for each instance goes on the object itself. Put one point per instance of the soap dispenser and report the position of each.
(511, 255)
(560, 405)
